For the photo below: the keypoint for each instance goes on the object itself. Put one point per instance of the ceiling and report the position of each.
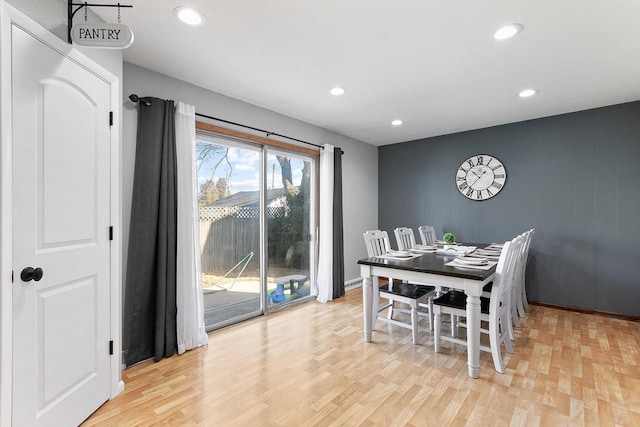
(433, 64)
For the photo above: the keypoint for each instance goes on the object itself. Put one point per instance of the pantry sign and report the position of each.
(103, 35)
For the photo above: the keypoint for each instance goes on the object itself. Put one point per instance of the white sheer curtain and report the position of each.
(190, 314)
(324, 285)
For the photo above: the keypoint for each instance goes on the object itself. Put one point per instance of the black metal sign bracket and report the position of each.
(71, 12)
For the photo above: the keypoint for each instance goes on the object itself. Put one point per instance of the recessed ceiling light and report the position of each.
(337, 91)
(507, 31)
(189, 15)
(527, 93)
(396, 122)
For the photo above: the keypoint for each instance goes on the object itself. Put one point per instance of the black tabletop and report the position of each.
(433, 263)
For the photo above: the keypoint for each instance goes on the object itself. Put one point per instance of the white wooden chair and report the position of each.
(486, 292)
(427, 235)
(415, 296)
(377, 243)
(518, 295)
(520, 288)
(405, 238)
(407, 241)
(494, 310)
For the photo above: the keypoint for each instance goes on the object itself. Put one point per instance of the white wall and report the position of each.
(52, 15)
(360, 161)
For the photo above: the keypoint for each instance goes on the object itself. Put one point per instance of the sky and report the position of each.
(244, 169)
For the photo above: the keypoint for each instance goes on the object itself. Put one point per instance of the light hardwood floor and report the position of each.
(310, 366)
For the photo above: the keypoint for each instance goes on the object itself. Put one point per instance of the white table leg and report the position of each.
(375, 304)
(436, 331)
(414, 322)
(367, 301)
(473, 335)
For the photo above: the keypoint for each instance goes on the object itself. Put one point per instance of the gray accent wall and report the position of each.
(575, 178)
(359, 163)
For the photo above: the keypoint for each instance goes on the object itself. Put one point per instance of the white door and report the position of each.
(61, 210)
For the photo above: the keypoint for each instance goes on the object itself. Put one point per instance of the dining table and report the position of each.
(430, 269)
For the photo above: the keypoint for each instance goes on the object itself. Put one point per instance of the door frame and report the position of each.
(10, 16)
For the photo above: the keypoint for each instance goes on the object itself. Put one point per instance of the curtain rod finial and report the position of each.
(135, 98)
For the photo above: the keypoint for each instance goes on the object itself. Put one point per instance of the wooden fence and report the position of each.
(228, 234)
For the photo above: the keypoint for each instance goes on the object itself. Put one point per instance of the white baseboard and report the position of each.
(353, 283)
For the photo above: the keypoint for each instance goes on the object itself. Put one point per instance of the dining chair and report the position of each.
(405, 238)
(518, 295)
(515, 320)
(520, 290)
(377, 243)
(407, 241)
(494, 310)
(413, 295)
(427, 235)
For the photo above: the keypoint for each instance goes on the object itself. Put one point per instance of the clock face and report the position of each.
(481, 177)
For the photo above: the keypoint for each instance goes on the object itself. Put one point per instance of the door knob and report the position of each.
(30, 273)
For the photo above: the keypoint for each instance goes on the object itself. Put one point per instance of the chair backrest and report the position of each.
(524, 254)
(405, 238)
(377, 242)
(427, 235)
(506, 274)
(529, 235)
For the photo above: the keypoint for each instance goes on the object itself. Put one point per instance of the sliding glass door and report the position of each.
(289, 216)
(229, 207)
(255, 209)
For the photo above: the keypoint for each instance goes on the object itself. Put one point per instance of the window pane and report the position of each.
(229, 200)
(288, 211)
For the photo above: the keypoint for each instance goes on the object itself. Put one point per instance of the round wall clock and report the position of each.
(481, 177)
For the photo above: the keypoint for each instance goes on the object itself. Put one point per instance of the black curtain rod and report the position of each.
(259, 130)
(135, 98)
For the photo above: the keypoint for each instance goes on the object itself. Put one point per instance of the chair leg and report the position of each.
(494, 341)
(454, 326)
(512, 318)
(519, 301)
(515, 317)
(525, 303)
(507, 342)
(514, 306)
(436, 331)
(430, 314)
(392, 303)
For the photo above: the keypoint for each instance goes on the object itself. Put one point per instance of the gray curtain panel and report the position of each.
(338, 236)
(149, 323)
